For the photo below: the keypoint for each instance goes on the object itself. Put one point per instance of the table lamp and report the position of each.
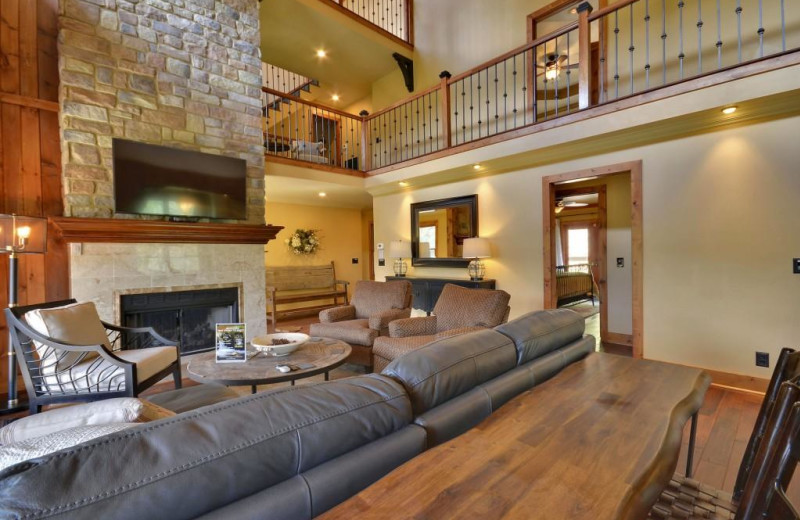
(18, 235)
(399, 249)
(476, 248)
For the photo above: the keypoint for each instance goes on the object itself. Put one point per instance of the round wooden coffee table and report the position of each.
(323, 353)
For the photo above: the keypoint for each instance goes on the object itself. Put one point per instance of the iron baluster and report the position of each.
(783, 27)
(471, 110)
(514, 74)
(680, 39)
(646, 44)
(569, 97)
(525, 91)
(496, 102)
(760, 29)
(663, 42)
(699, 36)
(739, 28)
(479, 104)
(616, 54)
(719, 36)
(631, 47)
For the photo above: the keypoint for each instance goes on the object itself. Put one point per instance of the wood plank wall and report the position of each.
(30, 151)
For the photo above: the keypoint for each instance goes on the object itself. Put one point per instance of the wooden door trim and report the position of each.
(637, 251)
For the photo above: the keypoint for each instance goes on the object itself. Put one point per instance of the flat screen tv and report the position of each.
(158, 180)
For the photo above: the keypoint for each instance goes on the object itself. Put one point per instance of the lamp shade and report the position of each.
(399, 249)
(20, 234)
(476, 248)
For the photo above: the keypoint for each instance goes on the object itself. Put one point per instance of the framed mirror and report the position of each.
(438, 230)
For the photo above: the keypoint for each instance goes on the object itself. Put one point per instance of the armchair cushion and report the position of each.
(373, 297)
(98, 375)
(344, 312)
(423, 326)
(354, 332)
(381, 320)
(460, 307)
(109, 411)
(76, 324)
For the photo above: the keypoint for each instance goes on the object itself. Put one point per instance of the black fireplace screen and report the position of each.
(188, 317)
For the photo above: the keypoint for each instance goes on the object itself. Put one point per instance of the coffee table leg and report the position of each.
(292, 382)
(253, 389)
(326, 376)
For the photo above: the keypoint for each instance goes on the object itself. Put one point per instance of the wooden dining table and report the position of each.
(598, 441)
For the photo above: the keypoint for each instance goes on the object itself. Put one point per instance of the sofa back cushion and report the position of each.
(373, 297)
(539, 332)
(460, 307)
(199, 461)
(449, 367)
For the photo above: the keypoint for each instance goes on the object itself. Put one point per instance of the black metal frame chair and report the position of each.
(50, 382)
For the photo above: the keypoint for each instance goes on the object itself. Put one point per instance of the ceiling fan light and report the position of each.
(551, 72)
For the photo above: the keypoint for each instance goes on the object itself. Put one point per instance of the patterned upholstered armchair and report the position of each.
(373, 306)
(457, 311)
(67, 354)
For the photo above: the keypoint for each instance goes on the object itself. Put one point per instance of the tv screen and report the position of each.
(157, 180)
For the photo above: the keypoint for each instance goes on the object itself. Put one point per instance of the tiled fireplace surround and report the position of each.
(103, 272)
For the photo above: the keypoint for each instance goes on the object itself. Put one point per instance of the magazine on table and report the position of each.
(231, 344)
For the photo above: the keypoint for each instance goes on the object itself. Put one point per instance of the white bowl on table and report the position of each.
(264, 343)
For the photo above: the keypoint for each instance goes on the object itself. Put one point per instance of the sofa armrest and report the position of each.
(341, 313)
(413, 327)
(381, 320)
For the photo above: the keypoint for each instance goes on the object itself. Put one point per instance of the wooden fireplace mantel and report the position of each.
(109, 230)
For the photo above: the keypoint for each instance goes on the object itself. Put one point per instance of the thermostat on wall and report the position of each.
(380, 246)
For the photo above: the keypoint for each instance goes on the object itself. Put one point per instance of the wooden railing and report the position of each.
(395, 17)
(621, 50)
(307, 131)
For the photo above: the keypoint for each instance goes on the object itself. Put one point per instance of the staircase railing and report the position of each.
(395, 17)
(307, 131)
(625, 49)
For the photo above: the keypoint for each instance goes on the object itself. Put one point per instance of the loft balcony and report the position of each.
(626, 55)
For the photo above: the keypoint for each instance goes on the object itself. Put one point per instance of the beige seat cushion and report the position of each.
(354, 332)
(108, 411)
(75, 324)
(99, 375)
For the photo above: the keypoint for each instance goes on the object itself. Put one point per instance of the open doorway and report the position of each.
(593, 251)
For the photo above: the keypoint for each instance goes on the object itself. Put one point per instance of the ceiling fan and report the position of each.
(563, 203)
(554, 64)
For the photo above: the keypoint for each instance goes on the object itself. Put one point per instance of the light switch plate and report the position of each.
(620, 262)
(796, 265)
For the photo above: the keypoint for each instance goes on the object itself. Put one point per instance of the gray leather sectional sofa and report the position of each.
(296, 452)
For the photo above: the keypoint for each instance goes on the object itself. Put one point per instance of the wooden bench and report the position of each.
(298, 284)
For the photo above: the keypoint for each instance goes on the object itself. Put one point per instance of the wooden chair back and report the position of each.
(284, 278)
(787, 368)
(775, 461)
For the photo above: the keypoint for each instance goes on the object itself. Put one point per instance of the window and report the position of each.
(427, 241)
(578, 246)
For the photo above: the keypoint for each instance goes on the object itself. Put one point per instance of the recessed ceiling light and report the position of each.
(322, 194)
(403, 183)
(476, 167)
(321, 53)
(728, 110)
(335, 97)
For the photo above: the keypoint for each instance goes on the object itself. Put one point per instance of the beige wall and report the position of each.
(340, 231)
(717, 276)
(618, 245)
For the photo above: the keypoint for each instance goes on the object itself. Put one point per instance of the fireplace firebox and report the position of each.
(188, 317)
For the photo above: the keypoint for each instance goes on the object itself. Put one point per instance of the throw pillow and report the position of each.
(40, 446)
(108, 411)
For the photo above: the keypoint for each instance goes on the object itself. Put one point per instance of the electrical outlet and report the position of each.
(620, 262)
(355, 260)
(796, 265)
(762, 359)
(381, 262)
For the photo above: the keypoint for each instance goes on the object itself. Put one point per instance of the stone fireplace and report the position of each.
(172, 73)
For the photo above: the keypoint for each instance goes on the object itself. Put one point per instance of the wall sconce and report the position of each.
(476, 248)
(18, 235)
(399, 249)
